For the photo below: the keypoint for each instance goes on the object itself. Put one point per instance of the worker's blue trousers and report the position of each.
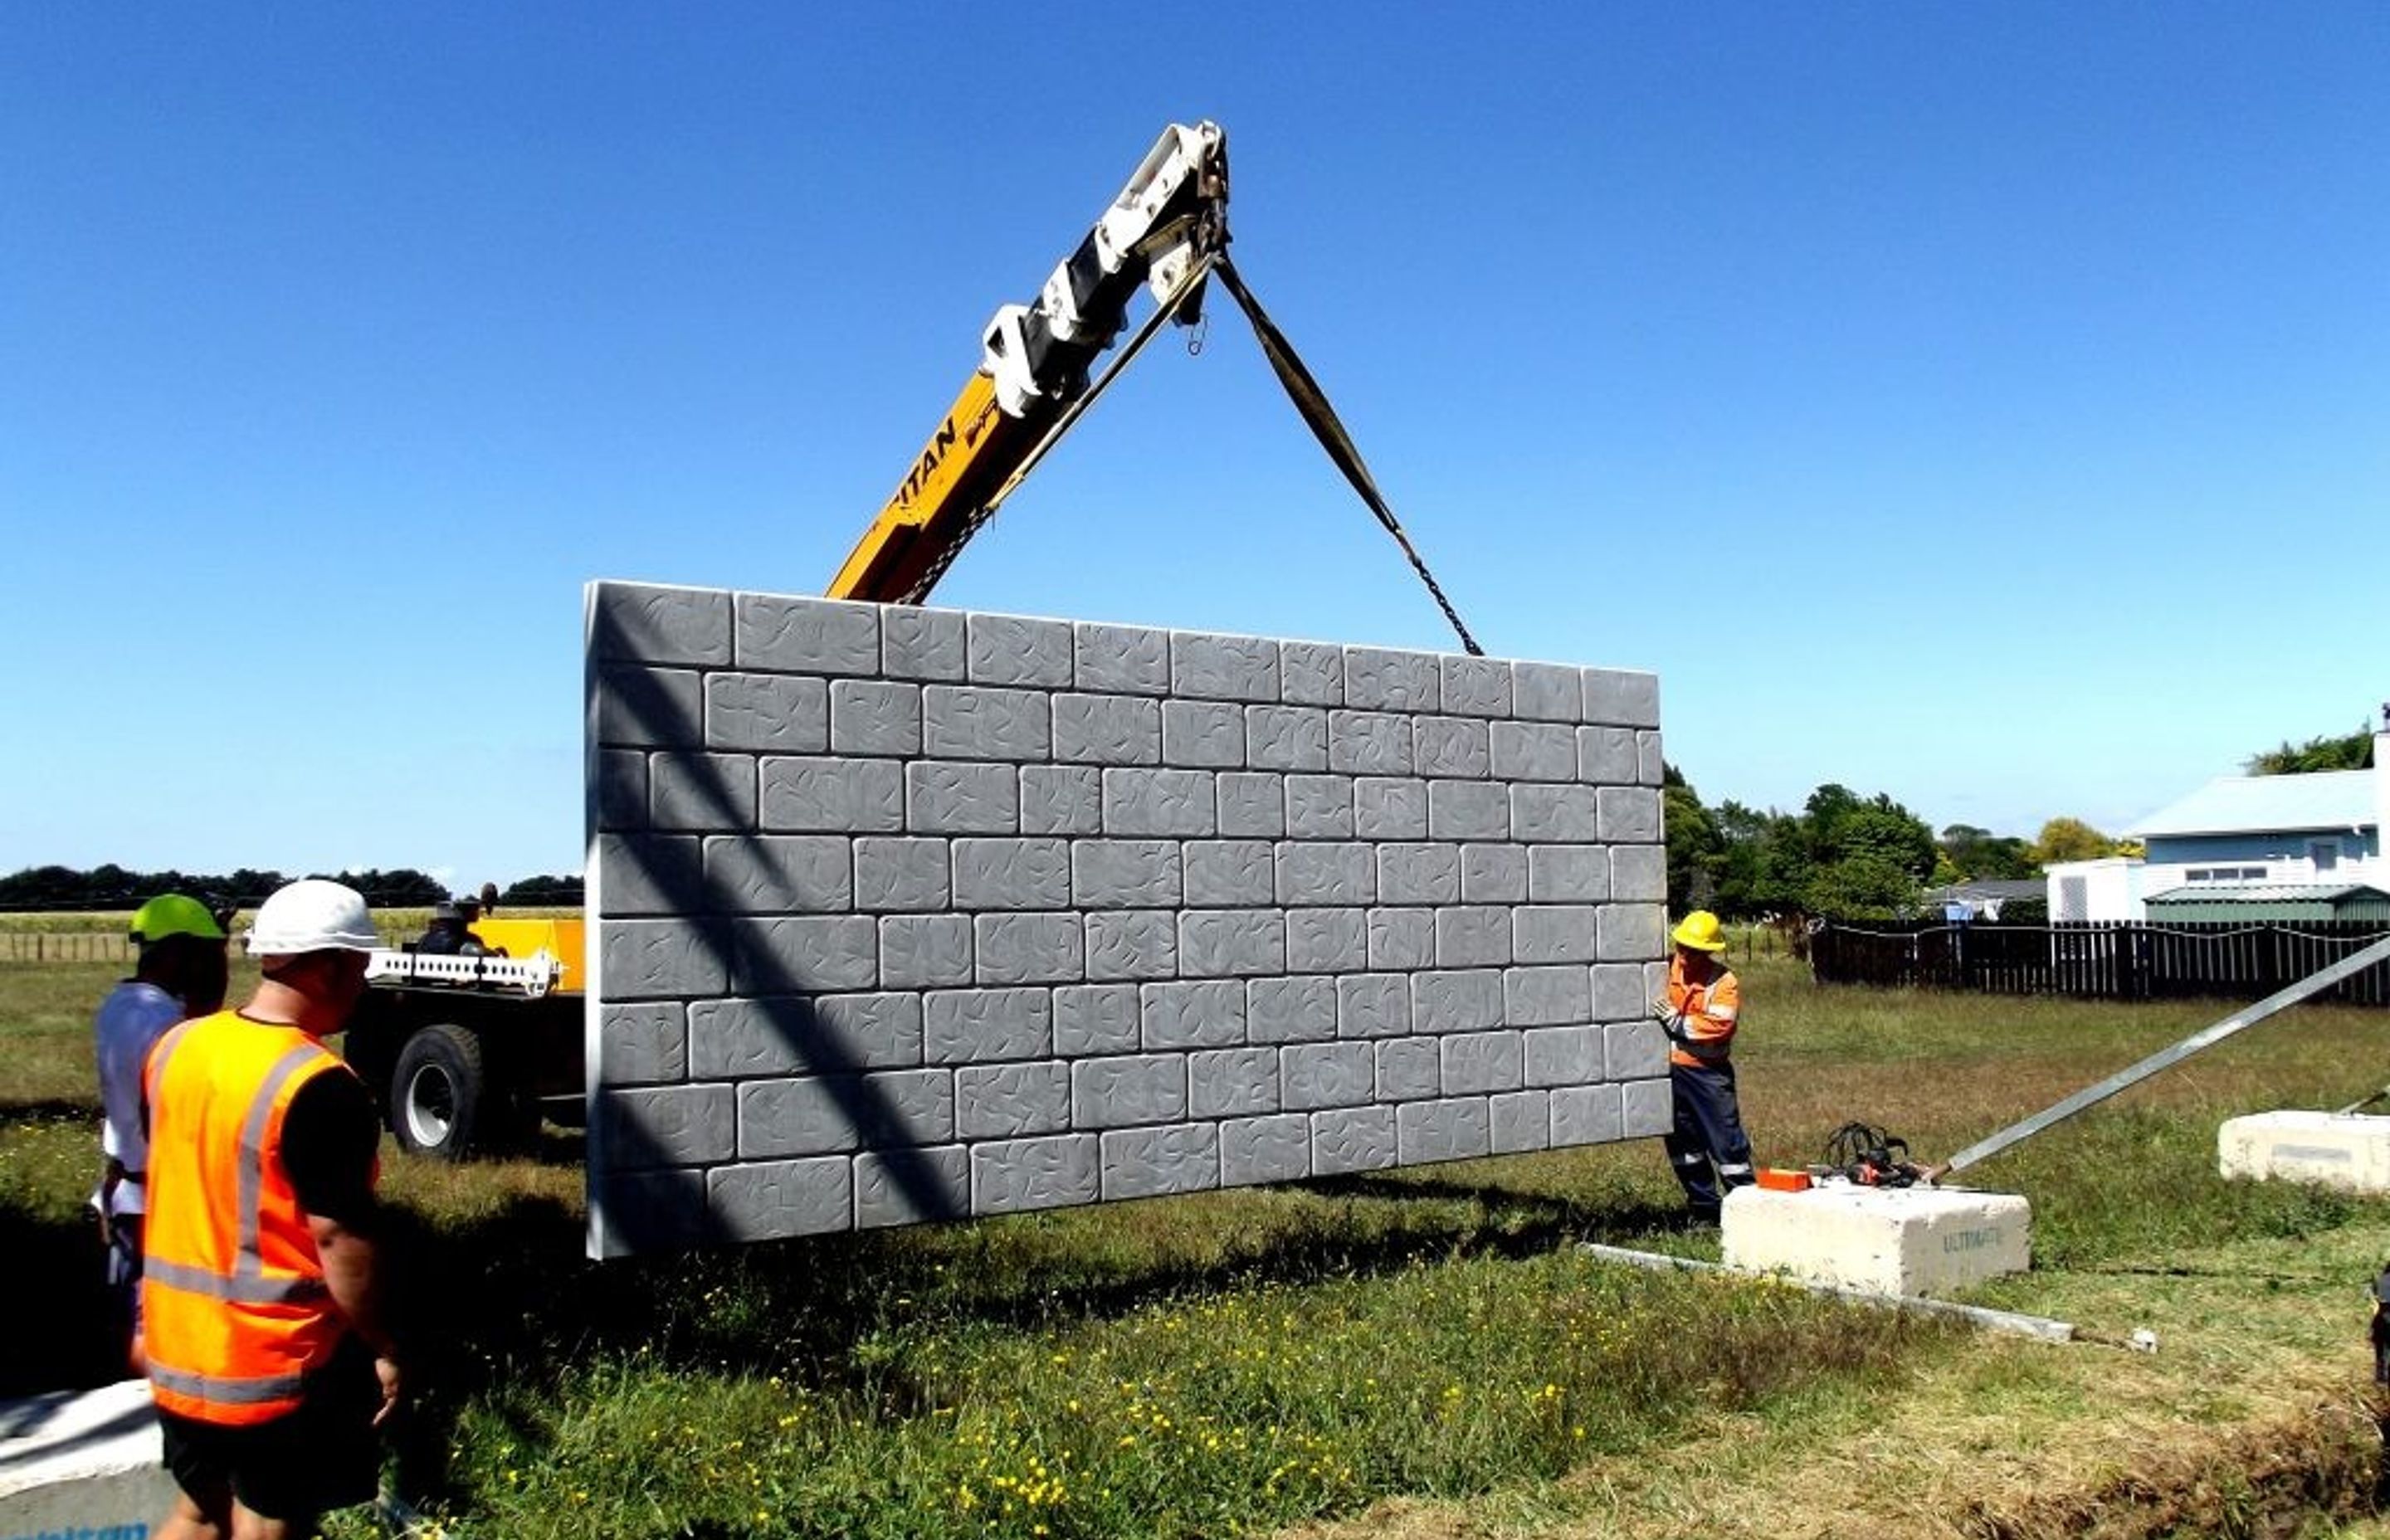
(1708, 1134)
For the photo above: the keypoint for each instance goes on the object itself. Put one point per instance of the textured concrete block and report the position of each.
(1389, 808)
(1091, 1020)
(804, 953)
(1003, 1101)
(1148, 1163)
(773, 712)
(776, 1199)
(1373, 1005)
(1628, 814)
(1409, 1069)
(1647, 1109)
(982, 1026)
(1494, 874)
(1418, 874)
(2343, 1150)
(642, 1045)
(1028, 949)
(1607, 756)
(1240, 944)
(1178, 805)
(1401, 939)
(1320, 874)
(1619, 994)
(700, 791)
(1521, 1121)
(874, 716)
(1327, 1075)
(1223, 668)
(643, 1210)
(1585, 1114)
(1468, 809)
(1569, 874)
(903, 1109)
(1319, 807)
(1563, 1056)
(832, 796)
(1475, 687)
(1224, 1083)
(1377, 679)
(1286, 737)
(1883, 1241)
(1473, 936)
(1208, 1013)
(1014, 1175)
(1253, 804)
(744, 1039)
(1456, 1000)
(1556, 815)
(619, 796)
(1133, 943)
(1458, 1129)
(922, 644)
(1451, 749)
(1554, 933)
(1621, 697)
(668, 1125)
(1311, 674)
(1108, 729)
(642, 708)
(1124, 1091)
(1326, 941)
(1369, 743)
(1204, 734)
(1547, 692)
(924, 951)
(960, 799)
(911, 1186)
(1634, 1050)
(1223, 873)
(651, 874)
(1012, 874)
(984, 722)
(647, 959)
(902, 874)
(1298, 1008)
(1120, 874)
(810, 1115)
(1010, 650)
(1128, 659)
(1475, 1062)
(1062, 799)
(1534, 750)
(658, 624)
(1351, 1140)
(1254, 1150)
(807, 635)
(1631, 930)
(1651, 764)
(775, 874)
(1553, 995)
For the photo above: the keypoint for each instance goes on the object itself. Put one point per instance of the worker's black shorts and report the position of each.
(322, 1456)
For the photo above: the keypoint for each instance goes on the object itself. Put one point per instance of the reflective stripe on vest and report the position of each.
(266, 1392)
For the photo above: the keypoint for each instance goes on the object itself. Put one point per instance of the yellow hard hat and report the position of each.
(1700, 931)
(175, 915)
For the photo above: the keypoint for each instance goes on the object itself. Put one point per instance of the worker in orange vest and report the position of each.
(267, 1355)
(1708, 1148)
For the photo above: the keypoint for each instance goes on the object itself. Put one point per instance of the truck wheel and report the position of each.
(438, 1092)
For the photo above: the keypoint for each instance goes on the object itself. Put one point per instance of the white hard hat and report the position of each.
(312, 914)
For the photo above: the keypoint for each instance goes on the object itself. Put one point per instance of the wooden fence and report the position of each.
(2109, 960)
(94, 946)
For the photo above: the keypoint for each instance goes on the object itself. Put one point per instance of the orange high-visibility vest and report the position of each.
(233, 1305)
(1706, 1015)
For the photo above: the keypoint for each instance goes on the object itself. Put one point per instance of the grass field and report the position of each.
(1418, 1353)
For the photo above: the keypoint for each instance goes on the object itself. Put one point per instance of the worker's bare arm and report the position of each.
(352, 1272)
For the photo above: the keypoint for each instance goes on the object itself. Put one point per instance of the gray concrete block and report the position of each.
(1655, 969)
(1208, 1013)
(1646, 1110)
(986, 722)
(1650, 766)
(921, 644)
(1373, 1005)
(1379, 679)
(667, 1125)
(904, 1108)
(1475, 1062)
(1178, 805)
(1014, 1175)
(1607, 756)
(1401, 938)
(1206, 734)
(1013, 650)
(1327, 1075)
(1315, 876)
(1132, 944)
(960, 799)
(1131, 660)
(1231, 1082)
(1409, 1069)
(1235, 943)
(777, 874)
(1554, 933)
(1456, 1000)
(1013, 874)
(1475, 687)
(658, 624)
(1449, 748)
(1629, 814)
(911, 1186)
(1568, 874)
(636, 1211)
(1124, 1091)
(901, 873)
(1351, 1140)
(1546, 996)
(1389, 808)
(1468, 809)
(642, 1045)
(831, 796)
(1224, 873)
(1254, 1150)
(1005, 1101)
(1547, 692)
(1556, 815)
(647, 959)
(1418, 874)
(1149, 1162)
(1062, 799)
(986, 1026)
(1473, 936)
(773, 712)
(618, 794)
(1326, 940)
(1286, 737)
(1521, 1122)
(1585, 1114)
(1297, 1009)
(924, 951)
(650, 874)
(700, 791)
(1632, 930)
(1634, 1050)
(829, 1034)
(807, 636)
(875, 716)
(1311, 674)
(1029, 948)
(804, 953)
(1123, 874)
(650, 708)
(1619, 994)
(1223, 668)
(1622, 698)
(1493, 874)
(1534, 750)
(1459, 1128)
(1108, 729)
(812, 1115)
(1319, 807)
(1638, 874)
(1369, 743)
(1563, 1056)
(776, 1199)
(1090, 1020)
(1253, 804)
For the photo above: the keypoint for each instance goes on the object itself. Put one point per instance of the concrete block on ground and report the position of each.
(85, 1463)
(1885, 1240)
(2349, 1152)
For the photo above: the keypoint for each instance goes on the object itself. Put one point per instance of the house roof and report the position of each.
(2253, 805)
(2265, 893)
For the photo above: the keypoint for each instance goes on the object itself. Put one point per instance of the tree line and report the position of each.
(110, 886)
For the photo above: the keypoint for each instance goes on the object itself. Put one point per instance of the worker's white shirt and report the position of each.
(129, 1022)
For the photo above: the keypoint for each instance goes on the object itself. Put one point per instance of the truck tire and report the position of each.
(439, 1093)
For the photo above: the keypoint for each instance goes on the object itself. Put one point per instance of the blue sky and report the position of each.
(1986, 405)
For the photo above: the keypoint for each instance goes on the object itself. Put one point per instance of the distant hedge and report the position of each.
(114, 887)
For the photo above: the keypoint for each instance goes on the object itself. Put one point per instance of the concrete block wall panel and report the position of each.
(905, 915)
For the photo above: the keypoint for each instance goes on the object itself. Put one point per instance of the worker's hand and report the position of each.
(393, 1386)
(1664, 1011)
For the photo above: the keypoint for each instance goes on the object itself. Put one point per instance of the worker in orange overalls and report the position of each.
(1707, 1148)
(267, 1355)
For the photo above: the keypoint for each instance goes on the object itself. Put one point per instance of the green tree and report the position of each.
(2354, 752)
(1977, 854)
(1694, 845)
(2071, 839)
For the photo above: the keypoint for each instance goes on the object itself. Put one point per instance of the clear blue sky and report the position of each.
(1987, 405)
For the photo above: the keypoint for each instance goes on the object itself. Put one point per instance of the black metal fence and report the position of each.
(2108, 960)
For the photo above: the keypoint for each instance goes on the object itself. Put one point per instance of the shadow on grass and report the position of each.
(60, 1334)
(51, 1109)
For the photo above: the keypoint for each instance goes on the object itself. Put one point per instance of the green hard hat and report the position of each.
(175, 915)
